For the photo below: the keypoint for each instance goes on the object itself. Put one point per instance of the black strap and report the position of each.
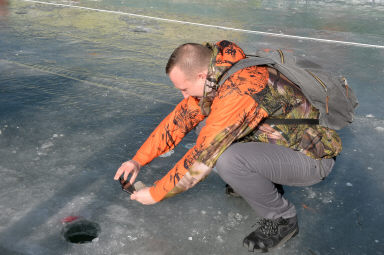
(244, 63)
(272, 121)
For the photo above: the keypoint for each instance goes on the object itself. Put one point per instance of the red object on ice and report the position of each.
(69, 219)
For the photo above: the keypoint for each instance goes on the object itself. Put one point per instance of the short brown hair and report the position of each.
(191, 58)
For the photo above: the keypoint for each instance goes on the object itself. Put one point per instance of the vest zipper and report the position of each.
(324, 86)
(281, 56)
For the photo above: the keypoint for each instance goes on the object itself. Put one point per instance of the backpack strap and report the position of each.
(259, 61)
(273, 121)
(244, 63)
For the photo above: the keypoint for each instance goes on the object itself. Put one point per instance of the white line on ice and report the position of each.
(96, 84)
(215, 26)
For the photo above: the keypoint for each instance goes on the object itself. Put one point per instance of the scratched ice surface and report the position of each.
(81, 89)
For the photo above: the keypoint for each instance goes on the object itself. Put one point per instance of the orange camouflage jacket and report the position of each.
(233, 112)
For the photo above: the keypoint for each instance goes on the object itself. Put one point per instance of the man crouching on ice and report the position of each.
(250, 155)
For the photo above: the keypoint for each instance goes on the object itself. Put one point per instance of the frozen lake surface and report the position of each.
(82, 88)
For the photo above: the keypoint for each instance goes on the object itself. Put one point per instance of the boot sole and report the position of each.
(283, 241)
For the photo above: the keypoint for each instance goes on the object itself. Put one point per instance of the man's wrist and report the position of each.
(139, 159)
(137, 164)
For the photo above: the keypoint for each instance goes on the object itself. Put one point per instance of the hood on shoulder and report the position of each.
(224, 55)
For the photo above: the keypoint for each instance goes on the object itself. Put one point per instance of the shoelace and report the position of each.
(269, 227)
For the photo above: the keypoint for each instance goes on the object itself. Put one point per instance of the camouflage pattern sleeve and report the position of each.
(170, 131)
(231, 118)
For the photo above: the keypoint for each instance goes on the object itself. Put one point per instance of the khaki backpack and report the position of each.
(329, 93)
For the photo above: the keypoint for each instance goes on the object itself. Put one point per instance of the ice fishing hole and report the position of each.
(81, 231)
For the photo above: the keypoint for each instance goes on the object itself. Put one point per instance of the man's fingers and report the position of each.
(126, 169)
(118, 174)
(133, 196)
(126, 173)
(122, 169)
(133, 178)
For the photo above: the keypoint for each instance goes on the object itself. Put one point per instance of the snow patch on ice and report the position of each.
(132, 238)
(233, 220)
(311, 193)
(47, 145)
(167, 154)
(219, 239)
(189, 145)
(324, 197)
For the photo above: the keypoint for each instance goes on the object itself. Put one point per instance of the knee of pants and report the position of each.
(226, 164)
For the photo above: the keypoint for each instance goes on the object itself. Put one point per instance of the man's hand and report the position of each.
(129, 167)
(143, 196)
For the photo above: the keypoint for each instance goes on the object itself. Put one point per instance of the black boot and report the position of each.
(271, 234)
(229, 191)
(279, 188)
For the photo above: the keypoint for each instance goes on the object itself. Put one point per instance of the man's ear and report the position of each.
(202, 75)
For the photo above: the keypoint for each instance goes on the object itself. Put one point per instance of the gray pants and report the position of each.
(252, 168)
